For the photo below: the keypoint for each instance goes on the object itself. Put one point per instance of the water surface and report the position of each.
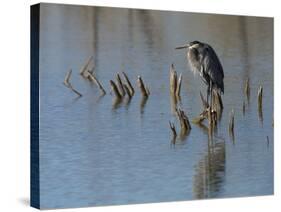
(93, 152)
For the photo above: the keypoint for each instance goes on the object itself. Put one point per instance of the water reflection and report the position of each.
(244, 50)
(260, 114)
(232, 136)
(143, 103)
(210, 172)
(127, 102)
(116, 103)
(184, 134)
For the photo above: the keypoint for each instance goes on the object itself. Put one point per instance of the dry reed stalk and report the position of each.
(183, 119)
(126, 88)
(68, 84)
(260, 92)
(93, 78)
(178, 90)
(173, 129)
(231, 122)
(173, 80)
(85, 67)
(115, 89)
(144, 90)
(92, 70)
(120, 85)
(129, 85)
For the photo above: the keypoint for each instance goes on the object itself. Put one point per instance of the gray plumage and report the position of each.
(203, 60)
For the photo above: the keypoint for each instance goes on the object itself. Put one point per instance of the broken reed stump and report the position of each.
(184, 122)
(127, 89)
(231, 122)
(84, 69)
(175, 82)
(93, 78)
(260, 91)
(211, 113)
(217, 101)
(91, 71)
(173, 103)
(129, 85)
(68, 84)
(185, 126)
(173, 129)
(120, 85)
(115, 90)
(178, 90)
(144, 90)
(260, 94)
(247, 89)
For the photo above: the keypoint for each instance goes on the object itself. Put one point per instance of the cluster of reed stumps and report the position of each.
(120, 88)
(175, 90)
(212, 113)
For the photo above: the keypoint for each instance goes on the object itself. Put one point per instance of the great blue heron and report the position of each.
(203, 59)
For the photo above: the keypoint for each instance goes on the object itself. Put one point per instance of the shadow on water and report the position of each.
(210, 171)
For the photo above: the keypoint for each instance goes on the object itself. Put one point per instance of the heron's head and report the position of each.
(192, 44)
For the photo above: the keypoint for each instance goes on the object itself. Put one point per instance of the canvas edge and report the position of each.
(34, 106)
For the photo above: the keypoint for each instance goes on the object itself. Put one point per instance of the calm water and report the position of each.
(93, 152)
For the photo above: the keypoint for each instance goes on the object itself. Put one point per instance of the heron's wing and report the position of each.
(213, 68)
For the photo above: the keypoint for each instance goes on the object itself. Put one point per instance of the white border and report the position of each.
(14, 112)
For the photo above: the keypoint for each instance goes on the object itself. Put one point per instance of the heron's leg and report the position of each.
(211, 97)
(208, 93)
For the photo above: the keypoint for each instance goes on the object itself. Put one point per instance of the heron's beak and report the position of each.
(182, 47)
